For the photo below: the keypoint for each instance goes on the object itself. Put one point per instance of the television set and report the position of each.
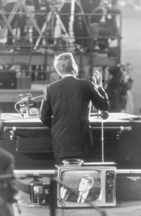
(94, 185)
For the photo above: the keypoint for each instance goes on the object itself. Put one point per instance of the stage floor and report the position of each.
(122, 209)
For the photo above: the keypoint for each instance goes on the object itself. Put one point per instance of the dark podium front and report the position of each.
(32, 147)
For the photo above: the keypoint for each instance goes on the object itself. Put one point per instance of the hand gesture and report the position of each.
(97, 79)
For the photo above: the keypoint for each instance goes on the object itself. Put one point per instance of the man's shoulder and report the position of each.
(52, 85)
(73, 81)
(84, 81)
(56, 82)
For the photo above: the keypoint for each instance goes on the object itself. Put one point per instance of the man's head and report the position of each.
(65, 64)
(85, 184)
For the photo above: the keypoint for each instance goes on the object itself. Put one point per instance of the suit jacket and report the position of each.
(74, 198)
(65, 109)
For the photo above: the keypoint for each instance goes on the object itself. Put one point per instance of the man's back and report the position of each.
(68, 100)
(65, 109)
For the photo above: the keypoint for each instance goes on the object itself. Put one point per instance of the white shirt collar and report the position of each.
(68, 75)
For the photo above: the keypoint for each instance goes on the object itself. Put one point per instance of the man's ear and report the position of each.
(75, 68)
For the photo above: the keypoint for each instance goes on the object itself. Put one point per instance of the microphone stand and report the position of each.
(102, 140)
(24, 103)
(102, 136)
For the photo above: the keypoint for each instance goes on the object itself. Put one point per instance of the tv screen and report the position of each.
(84, 185)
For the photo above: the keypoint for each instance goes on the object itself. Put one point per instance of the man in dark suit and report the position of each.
(65, 109)
(7, 186)
(84, 192)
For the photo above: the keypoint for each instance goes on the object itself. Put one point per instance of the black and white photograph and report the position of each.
(70, 107)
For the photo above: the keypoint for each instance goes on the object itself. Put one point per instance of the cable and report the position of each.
(15, 107)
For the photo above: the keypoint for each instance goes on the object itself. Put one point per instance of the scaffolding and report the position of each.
(41, 43)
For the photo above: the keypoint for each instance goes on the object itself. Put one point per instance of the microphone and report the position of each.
(25, 100)
(28, 98)
(102, 114)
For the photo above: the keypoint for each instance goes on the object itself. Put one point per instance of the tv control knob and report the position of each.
(110, 175)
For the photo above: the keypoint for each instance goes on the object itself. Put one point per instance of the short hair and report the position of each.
(65, 63)
(89, 179)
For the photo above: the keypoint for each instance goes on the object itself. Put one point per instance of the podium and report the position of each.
(33, 149)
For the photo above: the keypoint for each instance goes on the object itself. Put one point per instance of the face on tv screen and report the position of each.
(86, 184)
